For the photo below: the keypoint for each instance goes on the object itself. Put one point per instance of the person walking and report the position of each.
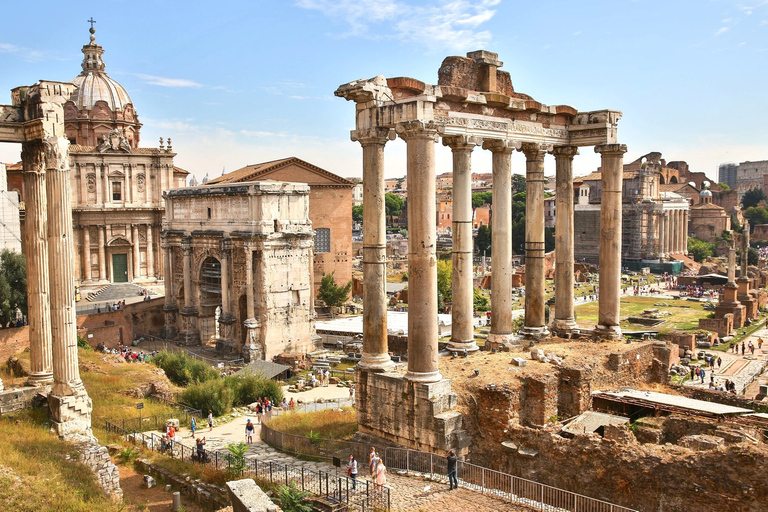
(380, 477)
(702, 374)
(373, 460)
(352, 471)
(759, 342)
(249, 432)
(452, 480)
(210, 420)
(193, 426)
(742, 348)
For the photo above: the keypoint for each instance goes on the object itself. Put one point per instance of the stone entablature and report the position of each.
(240, 258)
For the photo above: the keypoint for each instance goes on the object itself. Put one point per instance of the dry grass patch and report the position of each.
(327, 424)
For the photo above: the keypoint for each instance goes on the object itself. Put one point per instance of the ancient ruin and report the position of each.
(238, 259)
(473, 104)
(36, 120)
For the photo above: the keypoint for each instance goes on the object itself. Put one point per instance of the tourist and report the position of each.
(249, 432)
(742, 348)
(326, 378)
(259, 411)
(200, 445)
(210, 421)
(694, 371)
(759, 342)
(171, 434)
(193, 426)
(702, 374)
(284, 403)
(381, 474)
(291, 404)
(719, 362)
(371, 458)
(751, 347)
(352, 471)
(451, 458)
(352, 394)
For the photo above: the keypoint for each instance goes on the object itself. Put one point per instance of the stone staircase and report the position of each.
(115, 292)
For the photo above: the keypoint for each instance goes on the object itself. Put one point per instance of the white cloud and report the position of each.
(26, 54)
(163, 81)
(448, 24)
(722, 31)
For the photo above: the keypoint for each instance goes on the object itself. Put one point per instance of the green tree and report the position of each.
(394, 205)
(444, 282)
(481, 198)
(735, 224)
(549, 239)
(483, 240)
(236, 458)
(752, 197)
(723, 186)
(518, 183)
(332, 294)
(756, 215)
(357, 213)
(699, 249)
(753, 256)
(480, 301)
(13, 285)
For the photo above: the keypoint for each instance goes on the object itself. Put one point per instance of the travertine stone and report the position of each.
(535, 325)
(612, 156)
(422, 264)
(662, 235)
(150, 251)
(564, 322)
(246, 496)
(102, 253)
(375, 346)
(501, 240)
(136, 252)
(86, 252)
(462, 331)
(36, 251)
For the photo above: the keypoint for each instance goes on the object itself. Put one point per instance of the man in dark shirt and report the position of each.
(451, 458)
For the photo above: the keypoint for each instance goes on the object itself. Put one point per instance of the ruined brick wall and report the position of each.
(331, 208)
(539, 399)
(96, 458)
(13, 341)
(574, 392)
(586, 229)
(722, 326)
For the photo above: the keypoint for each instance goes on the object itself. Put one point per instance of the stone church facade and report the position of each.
(117, 202)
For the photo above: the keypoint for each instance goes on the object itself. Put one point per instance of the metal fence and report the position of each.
(154, 422)
(150, 343)
(316, 447)
(343, 492)
(502, 485)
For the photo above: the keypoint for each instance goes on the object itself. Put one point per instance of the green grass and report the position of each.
(327, 424)
(685, 314)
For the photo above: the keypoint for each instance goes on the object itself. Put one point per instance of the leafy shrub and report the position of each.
(247, 389)
(182, 370)
(83, 343)
(236, 458)
(213, 395)
(290, 498)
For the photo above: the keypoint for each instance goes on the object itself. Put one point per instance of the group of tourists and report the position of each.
(750, 346)
(262, 406)
(110, 306)
(323, 378)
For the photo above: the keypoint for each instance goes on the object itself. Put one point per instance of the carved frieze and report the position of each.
(140, 182)
(91, 182)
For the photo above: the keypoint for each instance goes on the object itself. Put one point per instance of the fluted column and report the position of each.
(501, 241)
(375, 344)
(462, 329)
(136, 253)
(186, 248)
(660, 224)
(102, 254)
(251, 349)
(683, 238)
(69, 404)
(535, 324)
(564, 322)
(422, 261)
(170, 308)
(612, 157)
(226, 319)
(686, 214)
(36, 252)
(150, 252)
(86, 251)
(670, 232)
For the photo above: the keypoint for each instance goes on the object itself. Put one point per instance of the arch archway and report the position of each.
(209, 289)
(672, 180)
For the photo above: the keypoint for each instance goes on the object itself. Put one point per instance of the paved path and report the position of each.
(407, 493)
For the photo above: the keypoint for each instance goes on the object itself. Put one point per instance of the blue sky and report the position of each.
(235, 83)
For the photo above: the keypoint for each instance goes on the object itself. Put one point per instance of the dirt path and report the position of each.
(156, 499)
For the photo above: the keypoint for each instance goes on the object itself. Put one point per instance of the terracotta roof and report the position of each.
(256, 172)
(179, 169)
(597, 176)
(707, 206)
(14, 167)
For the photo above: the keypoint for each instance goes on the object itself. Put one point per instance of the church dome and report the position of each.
(705, 193)
(94, 85)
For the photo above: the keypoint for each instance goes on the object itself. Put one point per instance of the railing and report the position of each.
(190, 411)
(316, 447)
(340, 490)
(154, 343)
(155, 422)
(502, 485)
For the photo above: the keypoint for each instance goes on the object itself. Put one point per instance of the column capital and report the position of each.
(611, 149)
(565, 151)
(373, 136)
(535, 150)
(56, 152)
(225, 246)
(461, 142)
(32, 156)
(501, 146)
(186, 244)
(417, 130)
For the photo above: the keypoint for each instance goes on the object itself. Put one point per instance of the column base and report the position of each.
(564, 327)
(40, 379)
(252, 353)
(534, 333)
(434, 376)
(71, 414)
(462, 346)
(501, 341)
(607, 332)
(375, 362)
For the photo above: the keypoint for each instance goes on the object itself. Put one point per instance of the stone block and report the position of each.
(537, 354)
(519, 361)
(149, 482)
(701, 442)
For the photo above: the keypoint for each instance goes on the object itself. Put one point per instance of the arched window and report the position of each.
(322, 240)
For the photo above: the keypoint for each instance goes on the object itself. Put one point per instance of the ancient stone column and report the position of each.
(744, 270)
(462, 329)
(170, 308)
(375, 345)
(227, 318)
(150, 252)
(677, 225)
(36, 252)
(251, 349)
(662, 234)
(186, 248)
(86, 250)
(501, 241)
(612, 156)
(136, 252)
(69, 403)
(102, 255)
(422, 261)
(564, 322)
(686, 213)
(535, 323)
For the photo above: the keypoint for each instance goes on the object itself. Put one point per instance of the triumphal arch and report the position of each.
(36, 120)
(474, 104)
